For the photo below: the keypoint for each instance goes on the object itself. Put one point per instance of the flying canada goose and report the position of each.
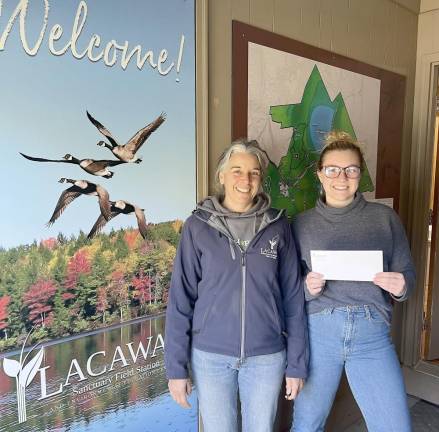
(127, 152)
(81, 187)
(118, 207)
(93, 167)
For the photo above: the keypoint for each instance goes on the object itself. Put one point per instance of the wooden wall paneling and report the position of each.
(310, 23)
(413, 6)
(427, 23)
(241, 10)
(287, 18)
(326, 27)
(340, 30)
(434, 23)
(429, 5)
(395, 21)
(379, 32)
(261, 14)
(220, 66)
(202, 97)
(405, 45)
(359, 30)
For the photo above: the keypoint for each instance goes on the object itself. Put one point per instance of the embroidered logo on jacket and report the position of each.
(271, 250)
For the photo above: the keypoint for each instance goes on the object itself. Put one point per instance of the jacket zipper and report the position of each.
(243, 290)
(243, 280)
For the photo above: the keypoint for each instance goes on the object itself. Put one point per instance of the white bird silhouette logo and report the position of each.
(273, 242)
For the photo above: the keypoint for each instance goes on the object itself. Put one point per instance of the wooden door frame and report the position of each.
(422, 377)
(432, 274)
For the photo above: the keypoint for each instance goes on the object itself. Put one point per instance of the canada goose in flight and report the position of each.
(93, 167)
(81, 187)
(118, 207)
(127, 152)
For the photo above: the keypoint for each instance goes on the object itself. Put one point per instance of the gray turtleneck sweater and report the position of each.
(361, 225)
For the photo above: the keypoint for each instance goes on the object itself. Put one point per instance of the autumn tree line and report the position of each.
(65, 285)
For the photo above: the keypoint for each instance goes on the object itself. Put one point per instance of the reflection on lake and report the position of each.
(109, 381)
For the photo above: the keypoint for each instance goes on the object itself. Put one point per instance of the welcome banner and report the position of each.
(97, 131)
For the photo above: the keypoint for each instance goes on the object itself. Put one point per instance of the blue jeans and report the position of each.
(218, 378)
(356, 339)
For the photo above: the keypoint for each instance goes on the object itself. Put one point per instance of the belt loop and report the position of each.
(367, 310)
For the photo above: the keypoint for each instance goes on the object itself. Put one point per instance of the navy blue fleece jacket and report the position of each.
(227, 300)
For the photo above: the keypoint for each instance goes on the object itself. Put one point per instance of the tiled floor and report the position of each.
(425, 417)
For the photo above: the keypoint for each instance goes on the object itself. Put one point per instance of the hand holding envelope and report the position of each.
(392, 282)
(347, 265)
(314, 283)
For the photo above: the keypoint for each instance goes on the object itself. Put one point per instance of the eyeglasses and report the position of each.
(351, 171)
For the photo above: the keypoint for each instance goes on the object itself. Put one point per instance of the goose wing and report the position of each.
(141, 222)
(142, 135)
(37, 159)
(104, 202)
(96, 165)
(100, 223)
(113, 162)
(66, 197)
(103, 130)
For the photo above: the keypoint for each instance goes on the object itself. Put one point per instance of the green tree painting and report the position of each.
(293, 184)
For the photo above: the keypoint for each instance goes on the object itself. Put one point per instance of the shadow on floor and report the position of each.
(425, 417)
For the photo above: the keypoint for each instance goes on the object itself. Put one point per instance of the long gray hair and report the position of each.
(240, 146)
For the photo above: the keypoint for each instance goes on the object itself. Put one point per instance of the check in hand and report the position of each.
(315, 283)
(392, 282)
(293, 387)
(180, 389)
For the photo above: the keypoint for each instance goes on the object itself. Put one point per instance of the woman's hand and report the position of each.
(180, 389)
(293, 387)
(392, 282)
(314, 283)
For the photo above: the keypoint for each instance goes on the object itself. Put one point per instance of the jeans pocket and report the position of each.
(327, 311)
(378, 317)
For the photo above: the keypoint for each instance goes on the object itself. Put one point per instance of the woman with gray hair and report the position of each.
(236, 305)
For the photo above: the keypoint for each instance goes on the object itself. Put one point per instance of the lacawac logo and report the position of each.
(24, 373)
(271, 250)
(82, 371)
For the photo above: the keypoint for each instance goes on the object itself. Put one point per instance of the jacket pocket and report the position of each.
(206, 315)
(202, 310)
(276, 314)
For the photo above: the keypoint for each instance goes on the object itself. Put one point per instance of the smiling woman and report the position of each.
(236, 306)
(349, 320)
(239, 177)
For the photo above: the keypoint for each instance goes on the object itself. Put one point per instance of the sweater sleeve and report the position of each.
(183, 294)
(294, 309)
(401, 261)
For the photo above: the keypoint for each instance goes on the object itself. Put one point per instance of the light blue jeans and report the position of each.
(356, 339)
(218, 378)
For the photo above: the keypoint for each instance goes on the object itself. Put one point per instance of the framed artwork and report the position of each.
(288, 95)
(98, 119)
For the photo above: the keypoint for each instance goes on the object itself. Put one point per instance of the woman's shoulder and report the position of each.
(196, 220)
(380, 209)
(304, 217)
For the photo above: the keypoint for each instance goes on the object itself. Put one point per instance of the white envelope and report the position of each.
(347, 265)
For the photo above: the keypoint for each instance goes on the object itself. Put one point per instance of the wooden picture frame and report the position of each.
(391, 103)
